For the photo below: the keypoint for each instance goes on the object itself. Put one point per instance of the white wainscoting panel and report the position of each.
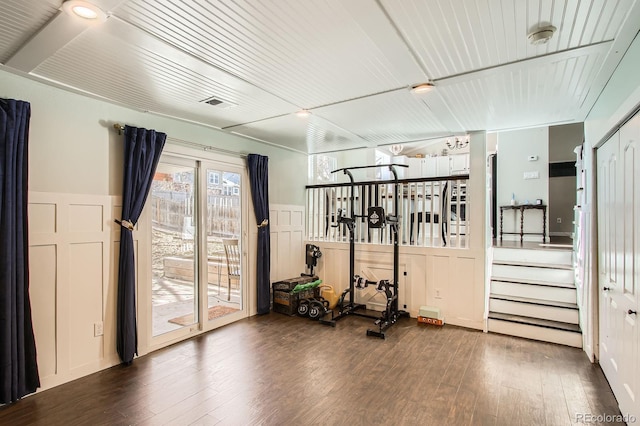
(376, 267)
(287, 241)
(86, 273)
(450, 279)
(42, 218)
(70, 253)
(42, 291)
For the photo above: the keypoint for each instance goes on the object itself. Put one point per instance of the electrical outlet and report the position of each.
(559, 220)
(98, 329)
(438, 294)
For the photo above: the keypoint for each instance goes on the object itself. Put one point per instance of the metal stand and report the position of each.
(390, 289)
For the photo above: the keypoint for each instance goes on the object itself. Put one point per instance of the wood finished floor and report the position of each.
(279, 370)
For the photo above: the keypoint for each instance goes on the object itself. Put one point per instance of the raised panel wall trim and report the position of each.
(75, 349)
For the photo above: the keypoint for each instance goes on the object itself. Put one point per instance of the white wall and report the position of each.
(562, 141)
(619, 98)
(492, 142)
(75, 182)
(514, 148)
(354, 158)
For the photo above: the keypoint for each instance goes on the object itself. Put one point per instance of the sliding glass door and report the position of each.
(174, 284)
(197, 248)
(223, 214)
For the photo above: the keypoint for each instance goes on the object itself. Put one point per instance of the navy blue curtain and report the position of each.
(142, 149)
(259, 177)
(18, 364)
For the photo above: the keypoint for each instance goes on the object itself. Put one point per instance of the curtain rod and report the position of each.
(120, 128)
(205, 147)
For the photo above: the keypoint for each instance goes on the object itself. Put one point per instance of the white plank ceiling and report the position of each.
(350, 63)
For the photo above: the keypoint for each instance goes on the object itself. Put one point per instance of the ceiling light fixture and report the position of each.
(85, 10)
(541, 35)
(422, 88)
(396, 149)
(303, 113)
(458, 143)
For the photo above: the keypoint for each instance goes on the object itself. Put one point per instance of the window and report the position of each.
(382, 158)
(320, 168)
(213, 178)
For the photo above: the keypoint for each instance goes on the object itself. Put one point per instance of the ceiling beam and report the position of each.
(525, 64)
(53, 36)
(61, 29)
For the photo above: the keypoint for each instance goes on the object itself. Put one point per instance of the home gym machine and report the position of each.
(376, 218)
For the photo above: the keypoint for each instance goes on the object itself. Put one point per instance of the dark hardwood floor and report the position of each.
(279, 370)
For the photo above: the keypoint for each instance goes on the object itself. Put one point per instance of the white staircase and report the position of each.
(533, 295)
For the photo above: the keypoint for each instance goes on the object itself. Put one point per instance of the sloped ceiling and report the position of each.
(350, 63)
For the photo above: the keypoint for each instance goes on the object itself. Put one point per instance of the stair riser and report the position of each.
(552, 313)
(532, 291)
(533, 274)
(536, 333)
(543, 257)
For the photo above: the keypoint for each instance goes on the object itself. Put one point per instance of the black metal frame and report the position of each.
(392, 312)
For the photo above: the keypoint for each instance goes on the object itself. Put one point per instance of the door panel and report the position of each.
(629, 145)
(174, 301)
(607, 180)
(619, 264)
(223, 224)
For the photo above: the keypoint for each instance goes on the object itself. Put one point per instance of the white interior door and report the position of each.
(629, 292)
(619, 267)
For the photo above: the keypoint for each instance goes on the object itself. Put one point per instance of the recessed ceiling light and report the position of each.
(85, 10)
(541, 35)
(422, 88)
(303, 113)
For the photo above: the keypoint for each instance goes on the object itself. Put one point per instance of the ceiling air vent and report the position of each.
(219, 103)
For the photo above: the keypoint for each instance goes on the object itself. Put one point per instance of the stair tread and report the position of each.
(562, 266)
(533, 301)
(536, 322)
(534, 282)
(541, 247)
